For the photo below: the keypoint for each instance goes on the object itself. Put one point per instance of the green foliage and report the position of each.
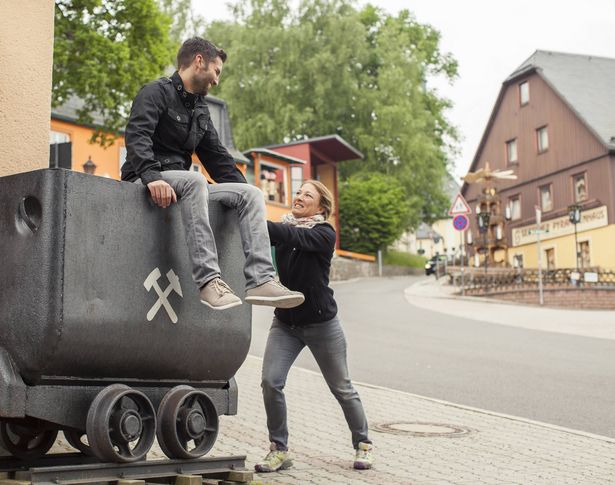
(371, 210)
(290, 74)
(104, 51)
(399, 258)
(184, 22)
(325, 68)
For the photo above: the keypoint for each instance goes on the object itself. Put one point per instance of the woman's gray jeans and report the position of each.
(327, 343)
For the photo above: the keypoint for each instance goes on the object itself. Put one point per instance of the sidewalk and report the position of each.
(438, 296)
(497, 450)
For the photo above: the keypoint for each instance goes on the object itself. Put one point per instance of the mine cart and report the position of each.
(102, 332)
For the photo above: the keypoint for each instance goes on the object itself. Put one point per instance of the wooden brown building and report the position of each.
(554, 124)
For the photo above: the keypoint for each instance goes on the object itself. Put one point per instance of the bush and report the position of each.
(373, 209)
(399, 258)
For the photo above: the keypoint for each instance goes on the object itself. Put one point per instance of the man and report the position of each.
(169, 121)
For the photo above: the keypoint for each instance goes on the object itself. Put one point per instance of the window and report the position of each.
(122, 157)
(524, 93)
(542, 138)
(550, 258)
(58, 137)
(273, 182)
(515, 208)
(546, 200)
(296, 178)
(585, 254)
(60, 150)
(511, 151)
(579, 184)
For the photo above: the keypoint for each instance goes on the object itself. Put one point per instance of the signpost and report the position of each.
(460, 211)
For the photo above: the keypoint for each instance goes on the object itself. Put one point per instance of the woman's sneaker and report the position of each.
(274, 461)
(364, 457)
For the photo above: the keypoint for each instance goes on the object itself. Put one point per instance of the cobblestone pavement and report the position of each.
(498, 449)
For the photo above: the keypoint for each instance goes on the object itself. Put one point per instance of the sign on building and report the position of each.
(561, 226)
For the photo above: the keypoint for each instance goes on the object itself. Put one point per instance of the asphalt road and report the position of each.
(554, 378)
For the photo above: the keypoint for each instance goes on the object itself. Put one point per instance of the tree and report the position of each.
(184, 22)
(290, 73)
(372, 210)
(104, 51)
(407, 135)
(326, 67)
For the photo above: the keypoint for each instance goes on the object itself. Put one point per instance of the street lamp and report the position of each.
(574, 214)
(483, 227)
(89, 166)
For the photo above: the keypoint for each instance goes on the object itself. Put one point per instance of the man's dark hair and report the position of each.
(197, 45)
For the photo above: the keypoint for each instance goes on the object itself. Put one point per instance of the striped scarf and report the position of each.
(307, 222)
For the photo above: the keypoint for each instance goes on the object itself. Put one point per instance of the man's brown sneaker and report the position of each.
(273, 293)
(218, 295)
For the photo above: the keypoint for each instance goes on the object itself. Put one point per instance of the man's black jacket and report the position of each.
(166, 126)
(303, 258)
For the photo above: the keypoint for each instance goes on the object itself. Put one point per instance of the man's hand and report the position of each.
(162, 193)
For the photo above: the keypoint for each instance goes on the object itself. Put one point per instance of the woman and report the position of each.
(304, 243)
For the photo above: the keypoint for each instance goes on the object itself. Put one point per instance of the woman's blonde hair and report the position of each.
(326, 197)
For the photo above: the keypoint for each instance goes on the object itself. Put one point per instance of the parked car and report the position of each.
(433, 263)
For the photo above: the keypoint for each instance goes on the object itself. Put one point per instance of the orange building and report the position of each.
(70, 145)
(322, 154)
(278, 176)
(278, 170)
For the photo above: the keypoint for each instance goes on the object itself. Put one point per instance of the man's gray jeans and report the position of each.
(327, 343)
(194, 193)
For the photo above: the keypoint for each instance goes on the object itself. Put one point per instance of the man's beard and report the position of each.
(200, 86)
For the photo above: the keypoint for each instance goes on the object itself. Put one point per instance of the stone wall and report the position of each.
(345, 269)
(563, 297)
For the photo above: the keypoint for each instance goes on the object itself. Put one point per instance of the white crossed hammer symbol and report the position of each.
(152, 282)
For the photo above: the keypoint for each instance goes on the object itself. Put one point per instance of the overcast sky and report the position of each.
(489, 39)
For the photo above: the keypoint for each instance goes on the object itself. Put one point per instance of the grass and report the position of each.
(398, 258)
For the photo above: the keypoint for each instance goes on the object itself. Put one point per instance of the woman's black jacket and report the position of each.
(303, 259)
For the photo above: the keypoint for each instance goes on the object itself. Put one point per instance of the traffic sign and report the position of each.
(460, 222)
(460, 206)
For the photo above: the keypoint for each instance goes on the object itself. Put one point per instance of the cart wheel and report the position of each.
(187, 423)
(121, 424)
(76, 438)
(25, 441)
